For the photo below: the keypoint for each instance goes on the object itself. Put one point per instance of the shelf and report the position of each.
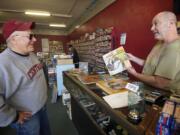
(93, 50)
(56, 47)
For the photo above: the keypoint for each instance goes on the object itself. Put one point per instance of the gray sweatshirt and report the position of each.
(22, 85)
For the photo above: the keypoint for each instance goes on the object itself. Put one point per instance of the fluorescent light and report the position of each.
(62, 15)
(57, 25)
(38, 13)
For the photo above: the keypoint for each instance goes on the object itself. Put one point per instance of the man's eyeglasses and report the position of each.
(30, 36)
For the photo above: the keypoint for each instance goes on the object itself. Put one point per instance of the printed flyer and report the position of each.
(116, 61)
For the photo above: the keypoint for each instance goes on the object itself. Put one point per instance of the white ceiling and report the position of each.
(81, 11)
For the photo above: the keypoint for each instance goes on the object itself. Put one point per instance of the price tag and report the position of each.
(132, 87)
(123, 39)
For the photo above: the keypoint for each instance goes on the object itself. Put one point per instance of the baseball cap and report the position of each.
(14, 25)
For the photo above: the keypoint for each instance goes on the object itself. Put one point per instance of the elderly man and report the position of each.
(23, 89)
(162, 66)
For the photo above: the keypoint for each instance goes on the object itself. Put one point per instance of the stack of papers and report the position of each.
(117, 100)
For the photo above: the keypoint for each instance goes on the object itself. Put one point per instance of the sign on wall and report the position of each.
(45, 45)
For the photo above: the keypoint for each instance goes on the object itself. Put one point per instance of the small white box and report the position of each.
(64, 61)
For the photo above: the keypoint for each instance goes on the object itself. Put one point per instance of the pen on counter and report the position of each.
(156, 93)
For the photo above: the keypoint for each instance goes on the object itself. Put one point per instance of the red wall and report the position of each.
(130, 16)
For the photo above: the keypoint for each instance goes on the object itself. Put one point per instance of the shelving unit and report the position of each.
(92, 47)
(103, 44)
(56, 47)
(85, 50)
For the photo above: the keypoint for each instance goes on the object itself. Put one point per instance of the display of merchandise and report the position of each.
(101, 118)
(104, 43)
(153, 96)
(56, 47)
(169, 119)
(92, 47)
(175, 98)
(85, 48)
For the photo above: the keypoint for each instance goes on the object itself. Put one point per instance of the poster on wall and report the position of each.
(45, 45)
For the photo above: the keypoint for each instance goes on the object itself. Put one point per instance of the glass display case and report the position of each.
(90, 110)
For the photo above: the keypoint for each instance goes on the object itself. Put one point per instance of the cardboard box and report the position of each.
(64, 61)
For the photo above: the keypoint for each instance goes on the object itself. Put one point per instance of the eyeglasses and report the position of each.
(30, 36)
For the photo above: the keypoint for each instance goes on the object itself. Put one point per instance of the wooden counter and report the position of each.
(145, 127)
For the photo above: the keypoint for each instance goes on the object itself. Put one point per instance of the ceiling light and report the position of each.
(62, 15)
(57, 25)
(38, 13)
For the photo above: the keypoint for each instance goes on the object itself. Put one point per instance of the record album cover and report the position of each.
(116, 61)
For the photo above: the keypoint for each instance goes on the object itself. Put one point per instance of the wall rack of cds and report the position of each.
(85, 47)
(91, 47)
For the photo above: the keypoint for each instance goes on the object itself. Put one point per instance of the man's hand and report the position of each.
(23, 116)
(132, 71)
(135, 59)
(130, 56)
(155, 81)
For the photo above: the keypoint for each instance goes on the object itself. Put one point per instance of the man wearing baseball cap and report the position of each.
(23, 88)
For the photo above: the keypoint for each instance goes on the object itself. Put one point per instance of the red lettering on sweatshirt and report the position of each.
(32, 72)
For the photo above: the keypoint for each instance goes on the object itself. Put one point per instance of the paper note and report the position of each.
(117, 100)
(132, 87)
